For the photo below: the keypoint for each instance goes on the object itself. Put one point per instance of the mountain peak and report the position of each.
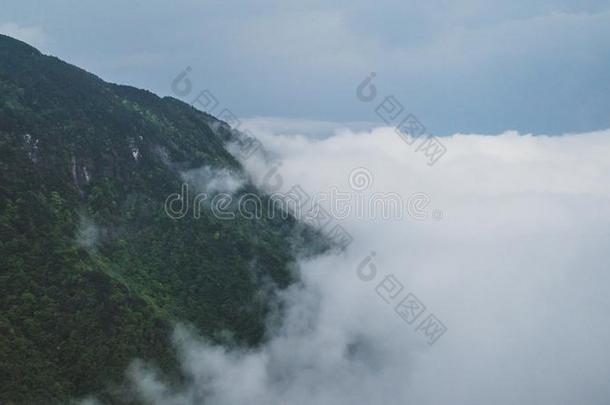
(13, 45)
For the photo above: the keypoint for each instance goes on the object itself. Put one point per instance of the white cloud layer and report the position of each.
(517, 270)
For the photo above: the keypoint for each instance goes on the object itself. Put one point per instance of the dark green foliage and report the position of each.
(72, 316)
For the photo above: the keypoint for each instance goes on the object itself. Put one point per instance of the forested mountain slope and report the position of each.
(93, 273)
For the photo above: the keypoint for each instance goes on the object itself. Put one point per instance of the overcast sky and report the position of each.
(540, 66)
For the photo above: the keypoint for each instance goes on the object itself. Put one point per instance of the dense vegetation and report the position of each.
(93, 273)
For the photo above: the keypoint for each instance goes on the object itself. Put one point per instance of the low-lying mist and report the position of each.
(515, 269)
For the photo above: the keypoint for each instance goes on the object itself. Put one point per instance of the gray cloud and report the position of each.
(34, 35)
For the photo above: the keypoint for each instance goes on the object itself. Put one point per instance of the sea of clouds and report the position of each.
(517, 270)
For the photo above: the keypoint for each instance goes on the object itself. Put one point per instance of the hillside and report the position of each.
(93, 273)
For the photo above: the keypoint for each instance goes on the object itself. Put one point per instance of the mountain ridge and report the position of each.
(93, 273)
